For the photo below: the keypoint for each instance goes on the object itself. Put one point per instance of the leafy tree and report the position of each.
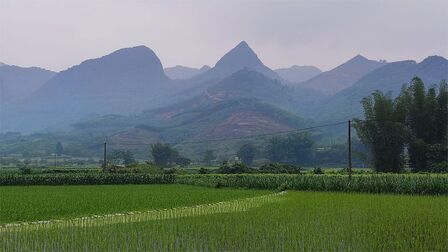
(237, 168)
(59, 149)
(163, 154)
(294, 148)
(277, 149)
(203, 170)
(183, 161)
(209, 156)
(121, 157)
(300, 145)
(427, 123)
(383, 130)
(247, 153)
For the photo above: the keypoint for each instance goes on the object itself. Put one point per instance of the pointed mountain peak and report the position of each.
(359, 57)
(239, 57)
(243, 44)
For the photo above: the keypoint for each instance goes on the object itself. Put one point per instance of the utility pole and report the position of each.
(104, 157)
(55, 160)
(349, 157)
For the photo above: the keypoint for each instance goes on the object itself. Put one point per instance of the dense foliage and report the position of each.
(163, 154)
(121, 157)
(246, 153)
(414, 124)
(293, 148)
(237, 168)
(280, 168)
(427, 121)
(384, 131)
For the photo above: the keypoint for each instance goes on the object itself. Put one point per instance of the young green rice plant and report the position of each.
(237, 205)
(37, 203)
(295, 221)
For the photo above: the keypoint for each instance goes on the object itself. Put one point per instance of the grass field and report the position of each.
(247, 220)
(33, 203)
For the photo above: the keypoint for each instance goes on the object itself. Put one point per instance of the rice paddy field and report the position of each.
(191, 218)
(37, 203)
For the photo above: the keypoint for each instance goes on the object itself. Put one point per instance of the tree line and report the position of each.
(409, 130)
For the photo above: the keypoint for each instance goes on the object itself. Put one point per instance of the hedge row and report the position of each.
(84, 179)
(428, 184)
(382, 183)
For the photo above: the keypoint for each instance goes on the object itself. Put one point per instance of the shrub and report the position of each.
(318, 170)
(280, 168)
(237, 168)
(202, 170)
(441, 167)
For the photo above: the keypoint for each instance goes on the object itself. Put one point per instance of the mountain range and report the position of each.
(388, 78)
(296, 74)
(182, 72)
(129, 91)
(342, 76)
(17, 83)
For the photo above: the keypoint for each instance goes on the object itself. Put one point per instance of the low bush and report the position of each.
(237, 168)
(280, 168)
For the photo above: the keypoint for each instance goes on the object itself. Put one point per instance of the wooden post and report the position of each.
(349, 157)
(104, 156)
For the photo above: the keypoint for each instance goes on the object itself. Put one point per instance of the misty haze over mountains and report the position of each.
(130, 90)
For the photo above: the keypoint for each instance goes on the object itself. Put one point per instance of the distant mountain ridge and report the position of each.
(342, 76)
(131, 85)
(243, 103)
(296, 74)
(17, 83)
(179, 72)
(121, 82)
(390, 77)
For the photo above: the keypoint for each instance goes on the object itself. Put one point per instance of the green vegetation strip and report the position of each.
(238, 205)
(84, 179)
(35, 203)
(295, 221)
(424, 184)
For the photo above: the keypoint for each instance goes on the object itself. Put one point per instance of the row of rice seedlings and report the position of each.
(298, 222)
(141, 216)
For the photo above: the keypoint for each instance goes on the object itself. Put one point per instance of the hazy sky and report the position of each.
(57, 34)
